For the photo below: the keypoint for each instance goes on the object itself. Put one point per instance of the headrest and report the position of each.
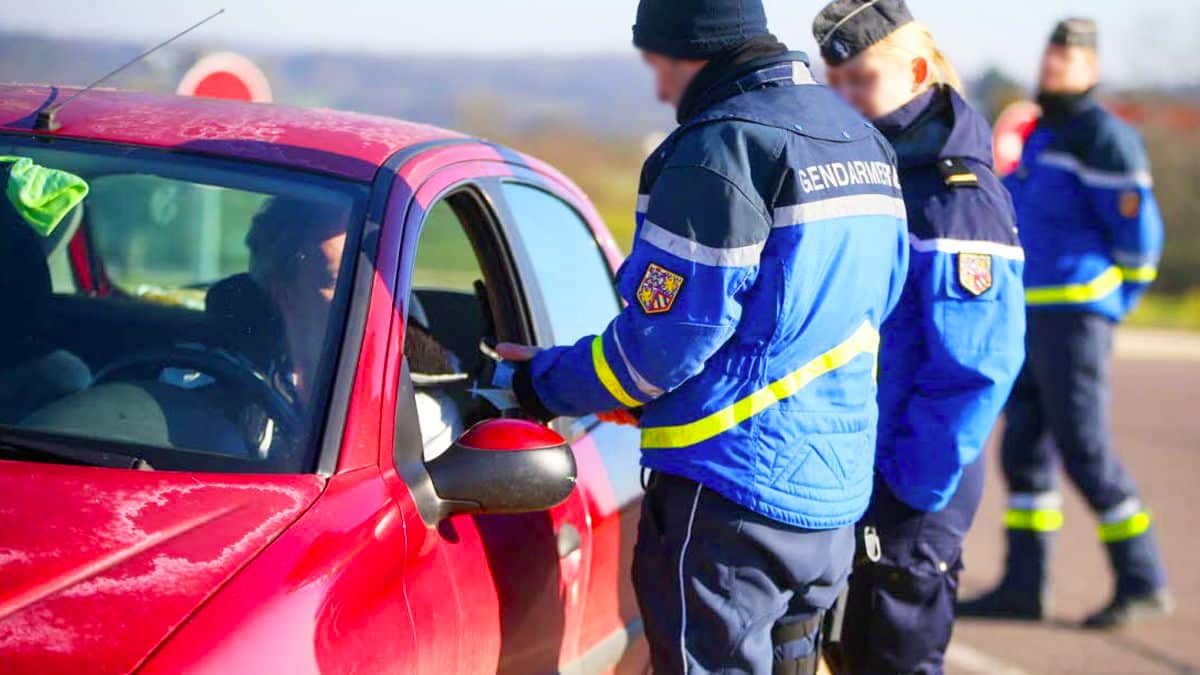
(64, 233)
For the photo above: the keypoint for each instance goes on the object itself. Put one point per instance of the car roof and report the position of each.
(346, 144)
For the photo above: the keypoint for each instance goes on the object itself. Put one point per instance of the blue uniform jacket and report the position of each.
(1089, 222)
(953, 347)
(771, 245)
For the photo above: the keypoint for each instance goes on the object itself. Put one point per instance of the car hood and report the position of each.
(97, 566)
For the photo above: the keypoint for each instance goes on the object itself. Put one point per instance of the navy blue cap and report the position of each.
(1076, 32)
(847, 28)
(697, 29)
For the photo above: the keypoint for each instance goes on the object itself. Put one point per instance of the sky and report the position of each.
(1142, 40)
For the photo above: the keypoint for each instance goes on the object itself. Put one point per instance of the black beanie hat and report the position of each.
(846, 28)
(697, 29)
(1076, 33)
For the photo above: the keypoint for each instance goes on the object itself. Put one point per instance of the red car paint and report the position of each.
(107, 563)
(109, 571)
(512, 434)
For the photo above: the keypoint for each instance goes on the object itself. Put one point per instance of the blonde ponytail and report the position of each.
(914, 39)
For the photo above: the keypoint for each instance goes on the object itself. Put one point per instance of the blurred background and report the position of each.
(560, 79)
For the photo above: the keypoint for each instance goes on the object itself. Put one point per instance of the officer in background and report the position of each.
(1093, 236)
(771, 245)
(951, 350)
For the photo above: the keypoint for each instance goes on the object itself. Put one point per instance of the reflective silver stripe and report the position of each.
(1035, 501)
(840, 207)
(1131, 259)
(1113, 180)
(683, 652)
(743, 256)
(801, 74)
(963, 246)
(1123, 511)
(643, 203)
(643, 385)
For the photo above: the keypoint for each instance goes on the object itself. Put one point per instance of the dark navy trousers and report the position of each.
(725, 590)
(900, 608)
(1059, 414)
(1059, 410)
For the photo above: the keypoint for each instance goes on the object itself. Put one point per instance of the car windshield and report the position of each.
(186, 312)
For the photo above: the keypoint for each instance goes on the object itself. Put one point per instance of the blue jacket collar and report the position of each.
(936, 125)
(747, 77)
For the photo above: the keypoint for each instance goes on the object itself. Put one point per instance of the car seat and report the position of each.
(33, 371)
(55, 249)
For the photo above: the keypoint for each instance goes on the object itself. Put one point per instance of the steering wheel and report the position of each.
(220, 366)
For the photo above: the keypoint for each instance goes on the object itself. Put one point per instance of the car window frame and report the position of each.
(497, 262)
(571, 428)
(527, 268)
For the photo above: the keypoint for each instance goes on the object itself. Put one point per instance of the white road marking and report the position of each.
(972, 660)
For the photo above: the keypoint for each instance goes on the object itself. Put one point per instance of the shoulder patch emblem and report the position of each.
(1130, 204)
(658, 290)
(975, 272)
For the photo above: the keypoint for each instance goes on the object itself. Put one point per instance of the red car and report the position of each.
(237, 428)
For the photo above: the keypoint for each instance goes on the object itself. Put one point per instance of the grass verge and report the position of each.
(1174, 312)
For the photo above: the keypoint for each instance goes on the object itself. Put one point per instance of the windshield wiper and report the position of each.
(43, 446)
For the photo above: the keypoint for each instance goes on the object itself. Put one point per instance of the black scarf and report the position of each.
(1057, 108)
(723, 66)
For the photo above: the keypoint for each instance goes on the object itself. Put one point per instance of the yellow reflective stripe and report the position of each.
(1093, 290)
(864, 341)
(608, 378)
(1040, 520)
(1142, 275)
(1131, 527)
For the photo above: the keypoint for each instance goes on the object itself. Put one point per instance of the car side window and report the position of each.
(444, 326)
(571, 271)
(445, 258)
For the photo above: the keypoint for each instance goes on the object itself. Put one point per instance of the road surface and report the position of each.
(1157, 425)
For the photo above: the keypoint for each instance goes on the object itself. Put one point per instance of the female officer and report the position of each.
(950, 351)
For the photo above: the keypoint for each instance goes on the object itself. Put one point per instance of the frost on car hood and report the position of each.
(97, 565)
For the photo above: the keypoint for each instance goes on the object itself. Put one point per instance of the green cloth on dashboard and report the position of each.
(41, 195)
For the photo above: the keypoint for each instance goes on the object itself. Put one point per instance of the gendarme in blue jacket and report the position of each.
(771, 245)
(953, 347)
(1089, 222)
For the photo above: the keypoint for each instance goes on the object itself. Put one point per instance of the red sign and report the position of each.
(226, 75)
(1013, 126)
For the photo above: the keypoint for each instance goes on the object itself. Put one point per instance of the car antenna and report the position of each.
(45, 118)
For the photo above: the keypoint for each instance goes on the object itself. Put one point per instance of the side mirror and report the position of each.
(503, 466)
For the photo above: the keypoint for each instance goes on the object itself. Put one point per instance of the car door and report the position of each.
(572, 294)
(487, 593)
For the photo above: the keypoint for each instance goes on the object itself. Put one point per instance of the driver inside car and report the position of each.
(296, 248)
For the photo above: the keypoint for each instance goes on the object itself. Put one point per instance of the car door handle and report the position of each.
(569, 540)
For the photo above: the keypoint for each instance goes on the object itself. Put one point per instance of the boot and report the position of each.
(1141, 591)
(1128, 608)
(1024, 592)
